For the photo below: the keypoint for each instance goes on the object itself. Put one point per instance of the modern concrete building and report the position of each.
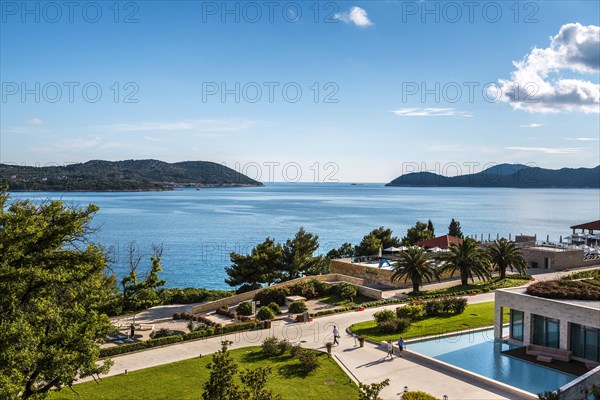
(571, 325)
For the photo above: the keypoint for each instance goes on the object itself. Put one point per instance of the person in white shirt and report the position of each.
(336, 335)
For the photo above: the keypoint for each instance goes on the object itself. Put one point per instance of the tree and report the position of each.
(298, 255)
(53, 284)
(262, 265)
(371, 392)
(468, 259)
(417, 233)
(254, 385)
(430, 228)
(344, 251)
(142, 295)
(504, 254)
(414, 264)
(220, 384)
(379, 238)
(454, 229)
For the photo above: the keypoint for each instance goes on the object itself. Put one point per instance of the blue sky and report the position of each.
(379, 85)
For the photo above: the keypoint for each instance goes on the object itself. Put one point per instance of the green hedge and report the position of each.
(129, 347)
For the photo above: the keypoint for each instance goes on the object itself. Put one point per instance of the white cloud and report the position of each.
(536, 85)
(35, 121)
(193, 126)
(545, 150)
(355, 15)
(430, 112)
(584, 139)
(533, 125)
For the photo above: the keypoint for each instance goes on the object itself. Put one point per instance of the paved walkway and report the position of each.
(367, 364)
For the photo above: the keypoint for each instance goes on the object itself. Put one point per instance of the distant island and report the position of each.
(129, 175)
(508, 176)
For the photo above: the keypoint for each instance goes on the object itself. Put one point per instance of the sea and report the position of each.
(198, 229)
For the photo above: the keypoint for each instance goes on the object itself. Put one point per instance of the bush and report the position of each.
(565, 289)
(384, 315)
(305, 289)
(265, 313)
(194, 326)
(394, 325)
(274, 294)
(295, 349)
(418, 395)
(162, 332)
(455, 305)
(297, 307)
(223, 310)
(270, 347)
(244, 308)
(275, 308)
(348, 292)
(191, 295)
(308, 360)
(283, 346)
(176, 315)
(411, 311)
(433, 308)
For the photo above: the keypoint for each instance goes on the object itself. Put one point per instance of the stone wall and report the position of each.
(369, 275)
(580, 387)
(330, 278)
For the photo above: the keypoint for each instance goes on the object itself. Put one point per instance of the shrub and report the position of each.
(272, 294)
(265, 313)
(176, 315)
(194, 326)
(295, 349)
(186, 315)
(270, 347)
(283, 346)
(191, 295)
(418, 395)
(394, 325)
(275, 308)
(384, 315)
(411, 311)
(297, 307)
(433, 308)
(304, 289)
(244, 308)
(162, 332)
(223, 310)
(308, 360)
(348, 291)
(455, 305)
(565, 289)
(322, 288)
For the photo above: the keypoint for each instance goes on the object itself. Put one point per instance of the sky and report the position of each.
(303, 91)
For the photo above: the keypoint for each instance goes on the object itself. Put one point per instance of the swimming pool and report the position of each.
(478, 352)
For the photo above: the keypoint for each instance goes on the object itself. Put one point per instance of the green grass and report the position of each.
(491, 285)
(593, 281)
(475, 316)
(184, 379)
(337, 301)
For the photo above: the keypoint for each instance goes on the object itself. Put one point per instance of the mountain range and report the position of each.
(507, 175)
(129, 175)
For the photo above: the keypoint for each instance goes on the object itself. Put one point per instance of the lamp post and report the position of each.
(405, 389)
(445, 397)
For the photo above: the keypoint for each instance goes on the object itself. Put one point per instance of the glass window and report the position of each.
(516, 324)
(545, 331)
(585, 342)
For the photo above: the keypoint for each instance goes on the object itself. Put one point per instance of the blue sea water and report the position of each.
(478, 352)
(199, 228)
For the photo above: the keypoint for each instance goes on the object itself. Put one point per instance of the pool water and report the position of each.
(478, 352)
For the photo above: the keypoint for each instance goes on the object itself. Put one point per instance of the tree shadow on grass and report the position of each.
(292, 370)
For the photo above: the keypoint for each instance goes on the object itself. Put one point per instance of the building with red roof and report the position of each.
(588, 226)
(443, 242)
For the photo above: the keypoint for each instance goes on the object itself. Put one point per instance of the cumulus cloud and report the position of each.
(35, 121)
(356, 15)
(533, 125)
(545, 150)
(538, 86)
(430, 112)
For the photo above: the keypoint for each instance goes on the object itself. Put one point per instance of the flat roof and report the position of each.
(592, 226)
(522, 290)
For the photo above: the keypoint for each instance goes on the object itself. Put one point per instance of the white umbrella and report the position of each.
(435, 249)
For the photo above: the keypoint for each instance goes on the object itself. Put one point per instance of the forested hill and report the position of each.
(508, 175)
(129, 175)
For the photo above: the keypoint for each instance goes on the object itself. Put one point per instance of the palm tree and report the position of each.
(414, 264)
(468, 259)
(505, 254)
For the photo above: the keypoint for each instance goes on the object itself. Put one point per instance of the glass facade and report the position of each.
(545, 331)
(585, 342)
(516, 324)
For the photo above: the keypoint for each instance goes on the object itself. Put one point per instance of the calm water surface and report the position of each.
(199, 228)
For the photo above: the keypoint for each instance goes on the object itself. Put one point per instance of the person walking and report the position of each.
(132, 331)
(336, 335)
(401, 346)
(390, 349)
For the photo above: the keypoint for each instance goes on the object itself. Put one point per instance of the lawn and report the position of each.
(337, 301)
(475, 316)
(184, 379)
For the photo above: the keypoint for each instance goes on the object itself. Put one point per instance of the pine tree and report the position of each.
(220, 384)
(454, 229)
